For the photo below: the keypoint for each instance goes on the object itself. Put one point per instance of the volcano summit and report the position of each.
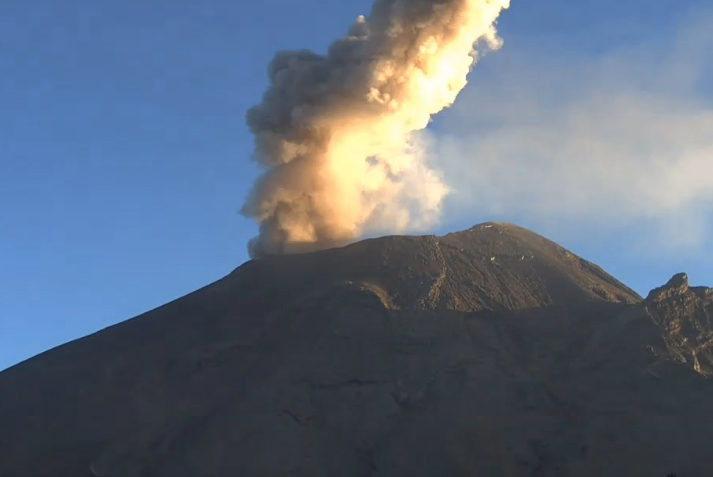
(491, 351)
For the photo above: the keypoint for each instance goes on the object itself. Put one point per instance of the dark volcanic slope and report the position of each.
(486, 352)
(491, 266)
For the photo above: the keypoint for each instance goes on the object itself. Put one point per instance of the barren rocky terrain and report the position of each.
(491, 351)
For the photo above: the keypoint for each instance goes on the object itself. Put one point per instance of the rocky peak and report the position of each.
(685, 316)
(679, 282)
(677, 285)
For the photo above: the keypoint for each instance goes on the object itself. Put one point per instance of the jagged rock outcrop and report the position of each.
(491, 351)
(685, 316)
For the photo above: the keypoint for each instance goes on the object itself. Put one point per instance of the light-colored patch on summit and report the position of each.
(434, 294)
(381, 294)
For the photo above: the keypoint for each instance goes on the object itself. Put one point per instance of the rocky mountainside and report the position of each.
(685, 317)
(491, 351)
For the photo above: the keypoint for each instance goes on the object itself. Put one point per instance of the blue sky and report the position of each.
(124, 155)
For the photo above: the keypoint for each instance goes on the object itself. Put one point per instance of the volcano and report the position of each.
(491, 351)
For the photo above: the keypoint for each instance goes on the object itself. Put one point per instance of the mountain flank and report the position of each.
(491, 351)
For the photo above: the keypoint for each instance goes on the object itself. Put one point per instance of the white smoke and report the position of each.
(335, 131)
(622, 141)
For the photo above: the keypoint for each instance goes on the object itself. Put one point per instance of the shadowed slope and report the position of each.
(491, 351)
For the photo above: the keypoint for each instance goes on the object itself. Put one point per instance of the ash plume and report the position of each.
(335, 132)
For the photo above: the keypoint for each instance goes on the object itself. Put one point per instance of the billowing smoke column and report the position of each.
(335, 132)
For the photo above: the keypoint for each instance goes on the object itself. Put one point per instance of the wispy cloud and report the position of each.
(621, 141)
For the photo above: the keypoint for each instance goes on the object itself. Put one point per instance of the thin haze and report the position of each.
(621, 143)
(335, 131)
